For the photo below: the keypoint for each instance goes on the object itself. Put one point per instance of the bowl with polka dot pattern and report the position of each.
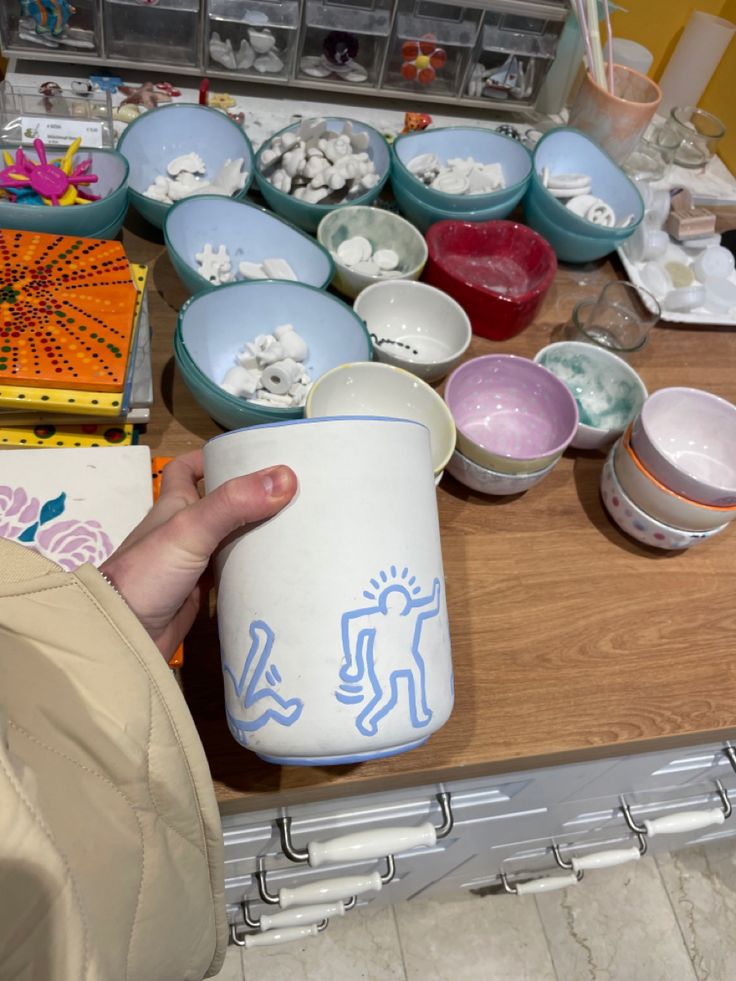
(637, 523)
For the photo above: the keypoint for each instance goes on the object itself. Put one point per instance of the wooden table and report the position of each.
(570, 641)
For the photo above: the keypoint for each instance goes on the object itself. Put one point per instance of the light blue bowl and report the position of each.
(484, 145)
(216, 323)
(248, 233)
(156, 137)
(83, 220)
(567, 151)
(568, 246)
(424, 215)
(308, 216)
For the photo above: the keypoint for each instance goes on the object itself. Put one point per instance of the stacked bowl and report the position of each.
(575, 238)
(157, 137)
(95, 219)
(514, 420)
(303, 213)
(424, 204)
(670, 480)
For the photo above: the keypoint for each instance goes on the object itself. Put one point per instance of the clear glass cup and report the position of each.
(699, 133)
(619, 319)
(653, 155)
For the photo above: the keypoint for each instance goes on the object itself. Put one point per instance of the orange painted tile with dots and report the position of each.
(66, 311)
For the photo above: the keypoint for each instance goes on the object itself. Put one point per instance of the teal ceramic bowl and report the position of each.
(84, 220)
(569, 246)
(425, 215)
(156, 137)
(216, 323)
(484, 145)
(566, 150)
(111, 230)
(248, 233)
(384, 230)
(308, 216)
(608, 392)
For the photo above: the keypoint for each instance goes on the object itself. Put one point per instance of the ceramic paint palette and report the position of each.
(67, 310)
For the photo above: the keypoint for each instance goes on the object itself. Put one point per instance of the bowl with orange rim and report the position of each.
(660, 502)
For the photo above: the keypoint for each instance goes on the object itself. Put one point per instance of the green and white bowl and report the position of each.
(608, 392)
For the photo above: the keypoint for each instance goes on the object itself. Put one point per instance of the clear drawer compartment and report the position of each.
(255, 38)
(512, 57)
(344, 42)
(51, 28)
(165, 33)
(430, 47)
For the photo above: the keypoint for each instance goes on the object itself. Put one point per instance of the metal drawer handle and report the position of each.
(326, 890)
(546, 884)
(273, 937)
(684, 821)
(365, 845)
(602, 860)
(298, 916)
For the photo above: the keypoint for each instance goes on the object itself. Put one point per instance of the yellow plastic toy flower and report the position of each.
(220, 100)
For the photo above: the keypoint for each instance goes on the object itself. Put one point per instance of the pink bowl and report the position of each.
(512, 415)
(686, 438)
(498, 271)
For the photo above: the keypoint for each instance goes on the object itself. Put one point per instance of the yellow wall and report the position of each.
(658, 24)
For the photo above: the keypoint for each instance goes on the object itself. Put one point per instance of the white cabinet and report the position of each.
(506, 824)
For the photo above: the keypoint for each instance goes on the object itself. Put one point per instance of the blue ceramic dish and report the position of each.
(483, 145)
(156, 137)
(424, 215)
(216, 323)
(308, 216)
(84, 220)
(568, 246)
(566, 151)
(248, 233)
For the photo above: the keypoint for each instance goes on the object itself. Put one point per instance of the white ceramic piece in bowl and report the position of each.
(383, 230)
(373, 389)
(415, 326)
(662, 504)
(332, 615)
(608, 392)
(637, 523)
(478, 478)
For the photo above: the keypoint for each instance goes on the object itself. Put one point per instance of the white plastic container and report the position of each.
(332, 615)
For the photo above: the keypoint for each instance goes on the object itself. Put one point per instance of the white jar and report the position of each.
(332, 614)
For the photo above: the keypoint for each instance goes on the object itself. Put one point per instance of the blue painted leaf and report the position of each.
(29, 534)
(52, 509)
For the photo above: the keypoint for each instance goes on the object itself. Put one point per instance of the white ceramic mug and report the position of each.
(332, 614)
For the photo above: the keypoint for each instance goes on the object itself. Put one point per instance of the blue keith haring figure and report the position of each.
(380, 643)
(256, 671)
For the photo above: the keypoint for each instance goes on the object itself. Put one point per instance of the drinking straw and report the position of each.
(594, 31)
(580, 14)
(609, 32)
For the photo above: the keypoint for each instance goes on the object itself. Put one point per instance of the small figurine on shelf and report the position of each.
(57, 182)
(46, 22)
(422, 59)
(339, 51)
(415, 121)
(145, 95)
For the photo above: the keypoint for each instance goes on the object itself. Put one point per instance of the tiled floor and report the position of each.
(666, 919)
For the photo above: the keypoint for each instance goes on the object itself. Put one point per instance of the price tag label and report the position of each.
(61, 132)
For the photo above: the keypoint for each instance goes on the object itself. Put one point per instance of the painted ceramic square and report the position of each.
(74, 505)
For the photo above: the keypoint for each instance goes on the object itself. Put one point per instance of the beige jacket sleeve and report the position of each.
(111, 863)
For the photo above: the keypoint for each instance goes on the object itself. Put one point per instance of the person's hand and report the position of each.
(159, 566)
